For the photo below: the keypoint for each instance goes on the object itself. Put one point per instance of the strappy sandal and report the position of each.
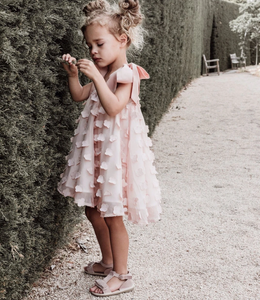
(89, 269)
(127, 285)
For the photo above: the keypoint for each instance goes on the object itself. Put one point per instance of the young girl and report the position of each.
(110, 167)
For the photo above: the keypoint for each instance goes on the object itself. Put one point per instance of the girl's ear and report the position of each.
(123, 39)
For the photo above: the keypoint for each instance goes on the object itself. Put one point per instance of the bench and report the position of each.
(209, 66)
(234, 60)
(237, 60)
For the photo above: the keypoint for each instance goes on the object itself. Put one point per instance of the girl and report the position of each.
(110, 167)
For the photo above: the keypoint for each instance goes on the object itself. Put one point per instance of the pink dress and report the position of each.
(110, 164)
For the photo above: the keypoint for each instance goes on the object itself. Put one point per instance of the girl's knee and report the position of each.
(114, 221)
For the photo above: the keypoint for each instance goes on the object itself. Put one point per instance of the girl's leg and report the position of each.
(119, 244)
(102, 233)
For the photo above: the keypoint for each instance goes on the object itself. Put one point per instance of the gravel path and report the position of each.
(206, 245)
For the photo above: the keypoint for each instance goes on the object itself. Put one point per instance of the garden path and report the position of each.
(206, 245)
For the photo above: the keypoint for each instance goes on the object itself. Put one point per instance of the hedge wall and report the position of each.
(37, 117)
(225, 42)
(180, 32)
(37, 114)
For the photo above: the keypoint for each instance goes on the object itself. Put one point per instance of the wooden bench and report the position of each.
(234, 60)
(209, 66)
(237, 60)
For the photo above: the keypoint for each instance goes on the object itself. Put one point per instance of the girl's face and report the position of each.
(104, 47)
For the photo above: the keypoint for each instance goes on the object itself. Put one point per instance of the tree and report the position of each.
(247, 25)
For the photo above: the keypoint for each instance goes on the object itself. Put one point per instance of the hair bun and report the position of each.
(130, 12)
(126, 18)
(131, 6)
(94, 6)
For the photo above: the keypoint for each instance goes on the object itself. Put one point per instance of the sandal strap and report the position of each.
(101, 284)
(119, 276)
(89, 267)
(125, 276)
(105, 265)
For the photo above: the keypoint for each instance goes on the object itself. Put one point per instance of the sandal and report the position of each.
(127, 285)
(89, 269)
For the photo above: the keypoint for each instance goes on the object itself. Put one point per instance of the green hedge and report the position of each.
(225, 41)
(180, 32)
(37, 114)
(37, 117)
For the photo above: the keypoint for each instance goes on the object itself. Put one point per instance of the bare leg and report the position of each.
(102, 233)
(119, 244)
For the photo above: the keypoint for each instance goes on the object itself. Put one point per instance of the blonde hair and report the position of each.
(124, 18)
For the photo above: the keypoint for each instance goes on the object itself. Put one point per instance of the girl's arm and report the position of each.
(77, 91)
(112, 103)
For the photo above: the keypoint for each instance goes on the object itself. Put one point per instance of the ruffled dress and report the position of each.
(110, 165)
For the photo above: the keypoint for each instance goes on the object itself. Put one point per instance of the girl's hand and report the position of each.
(88, 68)
(70, 68)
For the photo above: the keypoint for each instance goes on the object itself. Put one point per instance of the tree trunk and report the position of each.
(256, 56)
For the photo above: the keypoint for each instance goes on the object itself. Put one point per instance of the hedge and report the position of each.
(37, 117)
(180, 33)
(37, 114)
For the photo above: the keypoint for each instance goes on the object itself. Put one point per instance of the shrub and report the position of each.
(37, 117)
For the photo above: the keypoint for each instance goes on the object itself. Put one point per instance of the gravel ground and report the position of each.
(206, 245)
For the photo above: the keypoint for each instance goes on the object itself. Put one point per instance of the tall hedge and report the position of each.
(37, 118)
(37, 114)
(180, 32)
(225, 41)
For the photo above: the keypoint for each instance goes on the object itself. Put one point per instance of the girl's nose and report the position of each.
(94, 50)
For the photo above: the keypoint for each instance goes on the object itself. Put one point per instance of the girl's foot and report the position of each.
(98, 268)
(113, 284)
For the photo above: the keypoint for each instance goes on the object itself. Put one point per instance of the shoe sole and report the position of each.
(113, 293)
(96, 274)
